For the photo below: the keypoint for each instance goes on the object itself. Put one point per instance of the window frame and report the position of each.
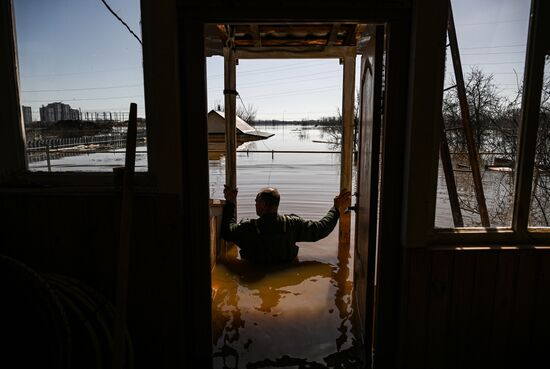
(161, 162)
(422, 232)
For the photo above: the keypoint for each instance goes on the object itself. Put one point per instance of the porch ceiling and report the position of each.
(274, 37)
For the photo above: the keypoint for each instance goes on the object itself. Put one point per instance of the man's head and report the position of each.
(267, 201)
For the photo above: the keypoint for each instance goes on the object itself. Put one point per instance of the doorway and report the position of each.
(252, 318)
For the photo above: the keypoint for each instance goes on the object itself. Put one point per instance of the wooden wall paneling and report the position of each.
(522, 322)
(169, 248)
(540, 339)
(461, 309)
(440, 287)
(416, 314)
(507, 265)
(482, 307)
(145, 286)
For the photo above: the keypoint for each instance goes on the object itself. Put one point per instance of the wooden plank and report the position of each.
(504, 303)
(450, 178)
(294, 52)
(346, 158)
(439, 305)
(230, 91)
(416, 314)
(255, 31)
(333, 34)
(482, 308)
(540, 338)
(465, 115)
(461, 308)
(522, 322)
(121, 302)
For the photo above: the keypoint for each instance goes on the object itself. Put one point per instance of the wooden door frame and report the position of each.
(397, 19)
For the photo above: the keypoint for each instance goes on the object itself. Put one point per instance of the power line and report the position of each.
(497, 53)
(492, 47)
(298, 92)
(274, 69)
(121, 21)
(77, 73)
(511, 62)
(85, 89)
(287, 81)
(89, 99)
(494, 22)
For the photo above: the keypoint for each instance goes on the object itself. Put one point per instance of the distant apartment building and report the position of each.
(27, 114)
(57, 111)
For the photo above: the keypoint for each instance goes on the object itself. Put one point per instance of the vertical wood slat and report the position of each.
(416, 315)
(522, 322)
(540, 338)
(438, 338)
(503, 306)
(461, 308)
(482, 306)
(346, 157)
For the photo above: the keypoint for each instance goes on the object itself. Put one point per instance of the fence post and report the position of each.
(48, 156)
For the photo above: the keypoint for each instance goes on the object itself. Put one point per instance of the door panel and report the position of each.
(367, 181)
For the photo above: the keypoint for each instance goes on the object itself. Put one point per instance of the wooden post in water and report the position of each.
(48, 157)
(346, 158)
(230, 92)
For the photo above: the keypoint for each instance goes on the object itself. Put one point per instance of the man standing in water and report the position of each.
(271, 238)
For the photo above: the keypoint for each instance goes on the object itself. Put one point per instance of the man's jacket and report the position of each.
(271, 239)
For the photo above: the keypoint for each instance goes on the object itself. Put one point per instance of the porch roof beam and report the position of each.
(294, 52)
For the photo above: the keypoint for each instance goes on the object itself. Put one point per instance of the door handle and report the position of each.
(349, 208)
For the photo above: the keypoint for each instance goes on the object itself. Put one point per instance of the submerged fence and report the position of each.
(47, 149)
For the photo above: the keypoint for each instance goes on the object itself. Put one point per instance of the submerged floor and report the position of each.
(296, 317)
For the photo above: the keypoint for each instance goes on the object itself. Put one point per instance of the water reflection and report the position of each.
(299, 315)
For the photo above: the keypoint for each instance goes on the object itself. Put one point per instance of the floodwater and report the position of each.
(300, 316)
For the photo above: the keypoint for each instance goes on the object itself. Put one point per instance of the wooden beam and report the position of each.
(450, 178)
(468, 129)
(294, 52)
(230, 91)
(333, 34)
(351, 36)
(346, 158)
(255, 31)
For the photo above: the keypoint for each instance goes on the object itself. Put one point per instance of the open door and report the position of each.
(366, 233)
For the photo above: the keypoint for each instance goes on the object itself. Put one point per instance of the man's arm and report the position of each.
(229, 218)
(310, 230)
(229, 221)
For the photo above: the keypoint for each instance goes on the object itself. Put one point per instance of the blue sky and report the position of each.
(79, 53)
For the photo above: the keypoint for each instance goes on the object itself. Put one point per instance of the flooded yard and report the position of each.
(299, 316)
